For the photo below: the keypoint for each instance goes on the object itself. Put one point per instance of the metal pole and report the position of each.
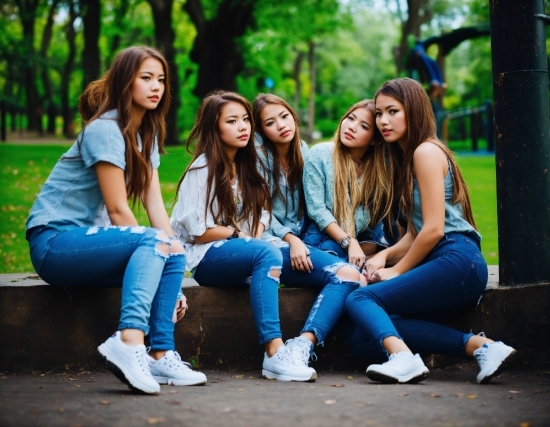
(473, 129)
(522, 131)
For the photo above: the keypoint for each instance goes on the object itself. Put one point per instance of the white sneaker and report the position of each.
(402, 367)
(493, 358)
(129, 363)
(281, 366)
(170, 369)
(301, 351)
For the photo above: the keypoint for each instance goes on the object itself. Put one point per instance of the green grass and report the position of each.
(24, 168)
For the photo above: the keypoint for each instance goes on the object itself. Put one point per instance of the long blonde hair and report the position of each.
(374, 193)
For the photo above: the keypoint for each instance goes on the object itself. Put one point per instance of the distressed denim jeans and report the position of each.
(452, 277)
(249, 262)
(330, 303)
(114, 257)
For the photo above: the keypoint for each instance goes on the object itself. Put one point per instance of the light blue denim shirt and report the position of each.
(319, 189)
(284, 215)
(454, 216)
(71, 195)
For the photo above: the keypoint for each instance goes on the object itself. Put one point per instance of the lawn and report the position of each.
(24, 168)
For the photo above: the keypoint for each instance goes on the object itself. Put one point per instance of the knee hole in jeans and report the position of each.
(348, 274)
(274, 273)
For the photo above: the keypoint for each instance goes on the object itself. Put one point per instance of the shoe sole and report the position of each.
(171, 381)
(271, 376)
(412, 378)
(504, 365)
(117, 371)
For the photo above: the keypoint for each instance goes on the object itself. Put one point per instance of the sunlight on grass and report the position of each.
(24, 169)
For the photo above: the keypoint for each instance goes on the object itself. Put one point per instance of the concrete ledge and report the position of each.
(44, 327)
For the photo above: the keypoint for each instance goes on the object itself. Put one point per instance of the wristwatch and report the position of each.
(344, 243)
(235, 235)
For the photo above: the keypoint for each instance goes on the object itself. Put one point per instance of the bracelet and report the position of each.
(235, 235)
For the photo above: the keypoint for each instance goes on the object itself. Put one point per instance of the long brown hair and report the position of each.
(205, 135)
(421, 127)
(373, 195)
(295, 160)
(114, 92)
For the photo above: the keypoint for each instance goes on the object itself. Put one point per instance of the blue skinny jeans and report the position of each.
(249, 262)
(330, 303)
(452, 277)
(114, 257)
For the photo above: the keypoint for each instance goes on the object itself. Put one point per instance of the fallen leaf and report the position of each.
(227, 409)
(404, 394)
(514, 391)
(104, 402)
(155, 420)
(175, 402)
(459, 395)
(241, 389)
(192, 408)
(525, 424)
(369, 422)
(350, 377)
(40, 386)
(329, 402)
(62, 410)
(435, 395)
(174, 392)
(337, 385)
(472, 396)
(239, 376)
(251, 376)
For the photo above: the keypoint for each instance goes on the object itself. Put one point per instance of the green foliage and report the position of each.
(24, 169)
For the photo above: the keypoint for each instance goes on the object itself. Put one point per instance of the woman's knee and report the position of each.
(349, 274)
(357, 298)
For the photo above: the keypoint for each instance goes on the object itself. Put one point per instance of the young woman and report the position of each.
(281, 154)
(437, 268)
(344, 184)
(220, 214)
(115, 159)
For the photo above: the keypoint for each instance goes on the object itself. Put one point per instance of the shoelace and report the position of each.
(300, 353)
(178, 363)
(285, 356)
(394, 359)
(144, 360)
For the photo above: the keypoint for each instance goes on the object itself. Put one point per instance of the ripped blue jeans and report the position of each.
(250, 262)
(452, 277)
(330, 303)
(114, 257)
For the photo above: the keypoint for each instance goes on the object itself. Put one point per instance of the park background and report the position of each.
(320, 55)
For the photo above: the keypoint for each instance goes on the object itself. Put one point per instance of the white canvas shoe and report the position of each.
(493, 358)
(129, 363)
(282, 366)
(402, 367)
(170, 369)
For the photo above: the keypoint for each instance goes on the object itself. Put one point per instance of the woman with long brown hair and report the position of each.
(281, 154)
(437, 268)
(346, 189)
(114, 160)
(221, 211)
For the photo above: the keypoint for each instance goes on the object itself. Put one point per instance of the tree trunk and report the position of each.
(311, 109)
(27, 12)
(215, 48)
(47, 98)
(164, 38)
(66, 110)
(120, 12)
(296, 76)
(419, 12)
(91, 18)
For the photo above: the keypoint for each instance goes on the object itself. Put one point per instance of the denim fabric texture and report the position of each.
(284, 213)
(452, 276)
(330, 302)
(319, 189)
(113, 257)
(247, 262)
(71, 195)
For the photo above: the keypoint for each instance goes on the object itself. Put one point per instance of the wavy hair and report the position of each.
(295, 159)
(205, 136)
(114, 92)
(374, 192)
(421, 127)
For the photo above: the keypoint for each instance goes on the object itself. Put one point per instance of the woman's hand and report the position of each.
(180, 310)
(373, 264)
(356, 256)
(299, 255)
(383, 274)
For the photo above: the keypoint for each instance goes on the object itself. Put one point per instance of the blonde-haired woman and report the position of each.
(346, 191)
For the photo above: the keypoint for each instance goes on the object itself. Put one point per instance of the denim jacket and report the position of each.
(319, 189)
(284, 215)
